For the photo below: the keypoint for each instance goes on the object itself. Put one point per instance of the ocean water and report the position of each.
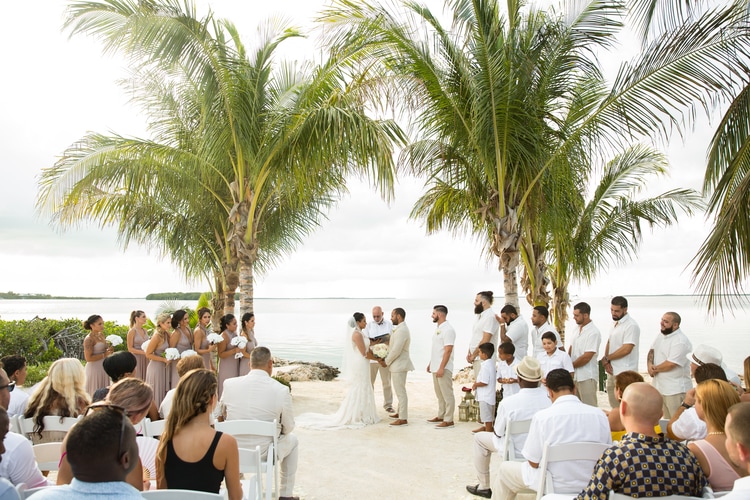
(315, 329)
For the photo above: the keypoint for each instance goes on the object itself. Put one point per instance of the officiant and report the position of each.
(379, 331)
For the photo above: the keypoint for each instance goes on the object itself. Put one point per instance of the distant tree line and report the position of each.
(179, 296)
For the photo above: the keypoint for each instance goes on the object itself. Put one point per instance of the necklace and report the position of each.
(716, 433)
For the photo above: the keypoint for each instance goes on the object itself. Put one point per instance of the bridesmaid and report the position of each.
(200, 336)
(248, 331)
(136, 337)
(157, 371)
(228, 366)
(181, 339)
(95, 349)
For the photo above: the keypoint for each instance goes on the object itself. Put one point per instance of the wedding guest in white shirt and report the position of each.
(685, 424)
(17, 463)
(668, 363)
(703, 354)
(737, 428)
(379, 330)
(584, 353)
(621, 351)
(514, 329)
(553, 358)
(485, 329)
(506, 369)
(568, 420)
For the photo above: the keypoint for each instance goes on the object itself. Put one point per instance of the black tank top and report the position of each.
(196, 476)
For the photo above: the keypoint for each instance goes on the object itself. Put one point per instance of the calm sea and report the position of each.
(315, 329)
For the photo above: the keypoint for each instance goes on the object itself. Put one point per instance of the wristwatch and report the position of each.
(686, 406)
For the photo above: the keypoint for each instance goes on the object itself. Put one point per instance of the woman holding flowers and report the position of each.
(137, 336)
(230, 350)
(157, 371)
(248, 332)
(201, 343)
(95, 349)
(181, 339)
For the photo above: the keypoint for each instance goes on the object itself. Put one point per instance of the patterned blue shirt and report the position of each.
(645, 466)
(114, 490)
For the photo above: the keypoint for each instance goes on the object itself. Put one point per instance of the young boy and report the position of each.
(485, 387)
(506, 373)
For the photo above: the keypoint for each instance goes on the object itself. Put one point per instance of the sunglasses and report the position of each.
(10, 386)
(109, 406)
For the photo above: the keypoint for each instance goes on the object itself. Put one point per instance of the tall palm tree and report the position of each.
(261, 149)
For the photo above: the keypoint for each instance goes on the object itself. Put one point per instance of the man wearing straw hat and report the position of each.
(521, 406)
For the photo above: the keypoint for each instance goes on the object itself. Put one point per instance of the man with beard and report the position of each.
(441, 367)
(583, 352)
(541, 325)
(514, 329)
(668, 363)
(485, 330)
(621, 352)
(399, 363)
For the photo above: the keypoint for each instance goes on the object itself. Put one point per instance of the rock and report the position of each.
(300, 371)
(464, 375)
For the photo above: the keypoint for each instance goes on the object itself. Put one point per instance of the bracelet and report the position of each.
(686, 406)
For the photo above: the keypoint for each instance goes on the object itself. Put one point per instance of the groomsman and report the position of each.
(379, 330)
(485, 330)
(441, 367)
(621, 352)
(399, 364)
(583, 352)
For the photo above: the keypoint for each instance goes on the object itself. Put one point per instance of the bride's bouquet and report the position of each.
(380, 350)
(171, 353)
(113, 340)
(214, 338)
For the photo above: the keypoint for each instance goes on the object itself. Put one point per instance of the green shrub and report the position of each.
(35, 373)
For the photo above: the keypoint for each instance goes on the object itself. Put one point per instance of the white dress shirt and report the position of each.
(518, 333)
(689, 426)
(675, 348)
(536, 337)
(505, 370)
(521, 406)
(559, 359)
(486, 322)
(624, 331)
(18, 464)
(444, 336)
(741, 490)
(588, 340)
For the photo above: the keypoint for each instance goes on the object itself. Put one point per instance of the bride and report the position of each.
(358, 408)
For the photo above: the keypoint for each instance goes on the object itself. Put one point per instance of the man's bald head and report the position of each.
(641, 406)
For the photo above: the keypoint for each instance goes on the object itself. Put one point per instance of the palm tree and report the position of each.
(258, 151)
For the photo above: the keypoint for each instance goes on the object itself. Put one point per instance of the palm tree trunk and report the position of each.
(246, 285)
(231, 282)
(507, 238)
(217, 302)
(560, 303)
(509, 262)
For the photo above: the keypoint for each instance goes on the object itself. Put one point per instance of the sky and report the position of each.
(56, 89)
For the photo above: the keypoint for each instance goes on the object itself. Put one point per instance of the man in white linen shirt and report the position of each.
(737, 428)
(514, 329)
(584, 351)
(621, 351)
(668, 363)
(685, 424)
(256, 396)
(539, 326)
(521, 406)
(706, 354)
(379, 330)
(568, 420)
(441, 367)
(485, 329)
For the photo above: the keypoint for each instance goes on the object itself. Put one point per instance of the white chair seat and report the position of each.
(563, 452)
(180, 495)
(47, 456)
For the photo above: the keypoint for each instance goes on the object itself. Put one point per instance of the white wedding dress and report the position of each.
(358, 407)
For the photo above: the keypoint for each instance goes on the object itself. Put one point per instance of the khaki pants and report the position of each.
(671, 403)
(509, 481)
(484, 447)
(476, 366)
(613, 403)
(444, 392)
(385, 378)
(586, 391)
(399, 386)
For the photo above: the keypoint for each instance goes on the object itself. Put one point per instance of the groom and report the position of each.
(399, 364)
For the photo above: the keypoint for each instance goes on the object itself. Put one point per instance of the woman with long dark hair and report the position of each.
(137, 336)
(229, 365)
(248, 331)
(181, 339)
(95, 349)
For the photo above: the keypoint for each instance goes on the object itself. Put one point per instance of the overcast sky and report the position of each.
(55, 90)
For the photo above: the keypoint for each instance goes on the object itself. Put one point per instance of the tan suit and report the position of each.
(399, 364)
(256, 396)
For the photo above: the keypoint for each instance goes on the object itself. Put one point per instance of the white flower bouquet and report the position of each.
(380, 350)
(188, 352)
(239, 341)
(214, 338)
(171, 353)
(113, 340)
(238, 355)
(144, 346)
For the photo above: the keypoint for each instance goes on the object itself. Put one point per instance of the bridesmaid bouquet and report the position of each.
(214, 338)
(380, 350)
(171, 353)
(113, 340)
(240, 342)
(188, 352)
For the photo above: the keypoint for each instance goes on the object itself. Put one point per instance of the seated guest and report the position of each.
(685, 424)
(62, 393)
(644, 463)
(713, 398)
(191, 454)
(117, 366)
(184, 365)
(704, 354)
(746, 376)
(737, 428)
(17, 463)
(568, 420)
(256, 396)
(521, 406)
(135, 397)
(102, 452)
(622, 381)
(15, 368)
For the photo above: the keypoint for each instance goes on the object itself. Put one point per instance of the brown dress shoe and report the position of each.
(435, 419)
(400, 422)
(444, 425)
(479, 429)
(395, 415)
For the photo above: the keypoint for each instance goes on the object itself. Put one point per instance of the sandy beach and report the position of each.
(379, 461)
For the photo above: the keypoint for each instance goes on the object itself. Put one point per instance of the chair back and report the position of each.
(51, 423)
(264, 429)
(250, 463)
(153, 428)
(564, 452)
(514, 427)
(621, 496)
(47, 456)
(180, 495)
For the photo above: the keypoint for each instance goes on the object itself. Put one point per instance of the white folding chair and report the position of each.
(51, 423)
(513, 427)
(153, 428)
(180, 495)
(563, 452)
(250, 462)
(47, 456)
(264, 429)
(621, 496)
(14, 427)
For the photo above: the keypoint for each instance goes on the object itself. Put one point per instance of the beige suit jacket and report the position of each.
(398, 359)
